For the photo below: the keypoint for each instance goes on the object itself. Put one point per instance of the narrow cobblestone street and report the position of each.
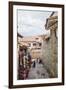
(38, 72)
(37, 49)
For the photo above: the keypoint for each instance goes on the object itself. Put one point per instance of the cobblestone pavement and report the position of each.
(38, 72)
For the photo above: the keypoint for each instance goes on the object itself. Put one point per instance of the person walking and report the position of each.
(34, 64)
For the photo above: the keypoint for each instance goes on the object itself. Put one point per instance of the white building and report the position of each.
(34, 44)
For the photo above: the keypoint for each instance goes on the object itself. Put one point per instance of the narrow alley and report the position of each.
(37, 54)
(37, 71)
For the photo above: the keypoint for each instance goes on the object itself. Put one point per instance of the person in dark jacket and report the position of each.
(34, 64)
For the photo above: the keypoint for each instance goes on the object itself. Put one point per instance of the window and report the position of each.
(34, 44)
(38, 48)
(37, 38)
(40, 44)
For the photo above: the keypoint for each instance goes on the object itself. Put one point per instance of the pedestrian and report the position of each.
(34, 64)
(29, 60)
(40, 61)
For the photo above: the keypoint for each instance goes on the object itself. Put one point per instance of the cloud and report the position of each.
(32, 22)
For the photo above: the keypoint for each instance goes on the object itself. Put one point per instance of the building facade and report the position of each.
(34, 45)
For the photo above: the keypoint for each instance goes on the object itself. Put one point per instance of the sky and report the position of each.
(32, 22)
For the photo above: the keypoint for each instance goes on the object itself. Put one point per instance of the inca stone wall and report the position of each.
(50, 50)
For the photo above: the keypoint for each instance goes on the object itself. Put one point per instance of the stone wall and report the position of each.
(50, 50)
(50, 59)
